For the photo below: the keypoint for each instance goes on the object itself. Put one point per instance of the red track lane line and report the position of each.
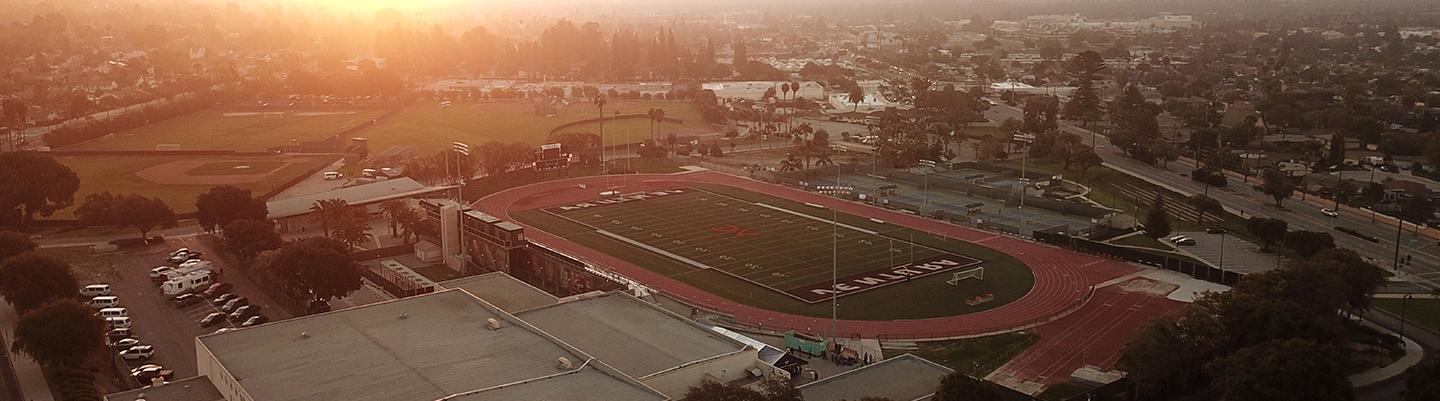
(1096, 336)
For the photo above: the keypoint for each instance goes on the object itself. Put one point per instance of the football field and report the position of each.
(774, 247)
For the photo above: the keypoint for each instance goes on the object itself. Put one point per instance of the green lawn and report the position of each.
(477, 189)
(212, 129)
(1423, 312)
(431, 128)
(116, 174)
(975, 357)
(925, 297)
(237, 167)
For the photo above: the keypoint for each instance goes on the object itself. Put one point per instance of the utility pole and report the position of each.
(1026, 139)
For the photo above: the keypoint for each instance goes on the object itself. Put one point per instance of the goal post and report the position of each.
(977, 272)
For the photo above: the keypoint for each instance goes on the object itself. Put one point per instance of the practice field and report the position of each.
(777, 254)
(765, 245)
(232, 129)
(177, 180)
(431, 128)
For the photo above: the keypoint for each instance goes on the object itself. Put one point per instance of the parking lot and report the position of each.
(157, 321)
(1240, 256)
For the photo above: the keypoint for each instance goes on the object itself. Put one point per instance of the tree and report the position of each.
(1087, 158)
(959, 387)
(1417, 210)
(1308, 243)
(31, 184)
(30, 280)
(1157, 220)
(855, 96)
(392, 210)
(1278, 186)
(774, 389)
(98, 209)
(319, 268)
(1283, 370)
(1269, 230)
(353, 231)
(13, 244)
(328, 212)
(221, 205)
(144, 214)
(247, 238)
(60, 334)
(1204, 205)
(656, 116)
(410, 222)
(1162, 357)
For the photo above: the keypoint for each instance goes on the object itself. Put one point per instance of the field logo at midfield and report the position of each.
(620, 199)
(734, 229)
(879, 278)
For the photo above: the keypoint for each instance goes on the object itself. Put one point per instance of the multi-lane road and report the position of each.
(1240, 198)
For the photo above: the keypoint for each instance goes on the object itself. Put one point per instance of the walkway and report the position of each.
(1062, 278)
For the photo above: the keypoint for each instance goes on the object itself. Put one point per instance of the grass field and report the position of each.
(1423, 312)
(768, 270)
(975, 357)
(479, 188)
(116, 174)
(431, 128)
(237, 167)
(213, 130)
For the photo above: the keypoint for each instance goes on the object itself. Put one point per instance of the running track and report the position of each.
(1063, 279)
(1093, 335)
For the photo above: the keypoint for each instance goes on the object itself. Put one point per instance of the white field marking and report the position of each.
(654, 249)
(817, 219)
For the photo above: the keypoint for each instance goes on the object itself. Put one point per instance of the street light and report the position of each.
(1402, 314)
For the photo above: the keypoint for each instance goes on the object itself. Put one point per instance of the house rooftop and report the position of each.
(196, 388)
(906, 377)
(504, 291)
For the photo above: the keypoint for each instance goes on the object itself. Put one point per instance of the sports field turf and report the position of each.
(237, 167)
(241, 130)
(776, 254)
(431, 128)
(116, 174)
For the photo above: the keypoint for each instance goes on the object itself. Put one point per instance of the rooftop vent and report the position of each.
(304, 334)
(404, 315)
(492, 323)
(564, 364)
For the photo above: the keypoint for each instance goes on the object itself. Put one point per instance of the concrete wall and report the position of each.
(675, 382)
(207, 365)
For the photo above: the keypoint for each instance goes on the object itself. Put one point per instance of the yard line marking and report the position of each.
(816, 218)
(652, 249)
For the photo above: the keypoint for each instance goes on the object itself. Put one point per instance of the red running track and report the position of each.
(1093, 335)
(1063, 279)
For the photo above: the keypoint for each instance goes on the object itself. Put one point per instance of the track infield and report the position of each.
(768, 246)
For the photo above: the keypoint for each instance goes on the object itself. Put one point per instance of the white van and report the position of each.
(368, 173)
(95, 290)
(113, 312)
(195, 281)
(122, 322)
(333, 175)
(106, 301)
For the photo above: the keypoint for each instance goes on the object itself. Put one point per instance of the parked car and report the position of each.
(121, 322)
(223, 298)
(234, 304)
(244, 312)
(112, 312)
(216, 289)
(145, 367)
(212, 319)
(158, 274)
(179, 251)
(1186, 241)
(1330, 212)
(104, 301)
(223, 330)
(149, 374)
(184, 300)
(138, 352)
(255, 321)
(124, 343)
(118, 334)
(1215, 230)
(95, 290)
(181, 258)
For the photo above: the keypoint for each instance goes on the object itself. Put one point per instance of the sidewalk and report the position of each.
(32, 380)
(1414, 353)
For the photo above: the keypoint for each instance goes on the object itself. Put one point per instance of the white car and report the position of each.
(1176, 238)
(119, 322)
(138, 352)
(1330, 212)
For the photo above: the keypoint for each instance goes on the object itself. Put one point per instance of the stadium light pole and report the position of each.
(1024, 156)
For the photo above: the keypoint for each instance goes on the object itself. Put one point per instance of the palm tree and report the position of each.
(600, 102)
(352, 229)
(856, 96)
(657, 116)
(410, 222)
(802, 141)
(785, 90)
(328, 211)
(392, 209)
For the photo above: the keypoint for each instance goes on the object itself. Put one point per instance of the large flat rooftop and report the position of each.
(591, 383)
(420, 348)
(906, 377)
(633, 336)
(504, 291)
